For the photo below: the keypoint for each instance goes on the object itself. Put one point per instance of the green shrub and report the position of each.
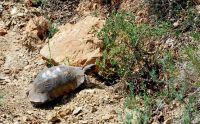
(195, 35)
(191, 53)
(129, 51)
(190, 111)
(52, 30)
(168, 9)
(39, 2)
(193, 57)
(1, 98)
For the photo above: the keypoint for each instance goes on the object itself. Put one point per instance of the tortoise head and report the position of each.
(90, 69)
(36, 98)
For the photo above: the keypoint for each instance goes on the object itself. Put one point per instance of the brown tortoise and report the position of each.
(57, 81)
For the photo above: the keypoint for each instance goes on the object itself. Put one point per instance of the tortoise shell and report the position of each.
(56, 81)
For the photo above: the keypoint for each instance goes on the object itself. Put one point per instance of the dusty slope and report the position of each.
(18, 67)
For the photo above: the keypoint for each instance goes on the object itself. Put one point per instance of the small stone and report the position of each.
(27, 67)
(57, 108)
(2, 32)
(26, 62)
(4, 116)
(77, 110)
(117, 97)
(29, 112)
(176, 24)
(64, 113)
(2, 62)
(28, 2)
(7, 80)
(8, 23)
(25, 118)
(83, 122)
(16, 71)
(52, 117)
(68, 111)
(20, 14)
(168, 121)
(198, 8)
(2, 78)
(93, 109)
(1, 9)
(16, 122)
(107, 117)
(155, 123)
(170, 42)
(95, 6)
(3, 83)
(7, 71)
(13, 11)
(113, 112)
(40, 62)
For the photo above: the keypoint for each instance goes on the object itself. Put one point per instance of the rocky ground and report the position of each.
(19, 66)
(22, 54)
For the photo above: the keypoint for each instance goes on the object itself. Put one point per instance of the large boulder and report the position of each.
(75, 44)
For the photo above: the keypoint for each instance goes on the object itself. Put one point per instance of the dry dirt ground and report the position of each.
(94, 103)
(18, 67)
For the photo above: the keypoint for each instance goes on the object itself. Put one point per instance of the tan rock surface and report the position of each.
(35, 31)
(37, 26)
(75, 44)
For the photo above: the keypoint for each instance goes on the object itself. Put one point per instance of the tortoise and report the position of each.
(57, 81)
